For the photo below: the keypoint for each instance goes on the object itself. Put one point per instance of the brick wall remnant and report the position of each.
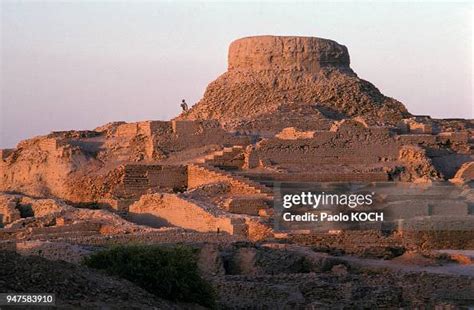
(251, 205)
(418, 127)
(8, 210)
(418, 167)
(174, 210)
(291, 133)
(139, 178)
(201, 174)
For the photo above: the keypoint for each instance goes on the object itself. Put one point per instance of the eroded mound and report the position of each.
(75, 286)
(267, 72)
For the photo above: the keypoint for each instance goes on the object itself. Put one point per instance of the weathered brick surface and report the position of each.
(201, 174)
(173, 210)
(8, 210)
(75, 227)
(246, 205)
(139, 178)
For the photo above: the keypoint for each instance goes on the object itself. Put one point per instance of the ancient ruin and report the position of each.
(289, 114)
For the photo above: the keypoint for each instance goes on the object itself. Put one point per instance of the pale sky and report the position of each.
(80, 64)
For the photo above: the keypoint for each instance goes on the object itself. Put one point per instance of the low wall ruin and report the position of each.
(171, 210)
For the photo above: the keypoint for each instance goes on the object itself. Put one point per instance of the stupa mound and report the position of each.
(268, 72)
(286, 53)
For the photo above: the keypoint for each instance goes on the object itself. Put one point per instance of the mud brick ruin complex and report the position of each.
(288, 110)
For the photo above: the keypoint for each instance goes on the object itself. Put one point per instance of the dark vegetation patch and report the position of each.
(167, 272)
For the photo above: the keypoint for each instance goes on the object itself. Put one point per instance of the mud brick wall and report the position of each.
(269, 127)
(152, 129)
(198, 176)
(351, 241)
(185, 127)
(149, 128)
(347, 142)
(418, 139)
(50, 145)
(127, 130)
(164, 235)
(245, 205)
(379, 176)
(453, 137)
(233, 159)
(76, 228)
(332, 176)
(175, 177)
(190, 134)
(8, 212)
(169, 209)
(139, 178)
(320, 152)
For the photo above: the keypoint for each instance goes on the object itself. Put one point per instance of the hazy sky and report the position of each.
(77, 65)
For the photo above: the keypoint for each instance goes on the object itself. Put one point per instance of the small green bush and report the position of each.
(168, 272)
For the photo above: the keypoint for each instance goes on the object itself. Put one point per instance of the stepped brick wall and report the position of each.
(230, 157)
(202, 174)
(146, 128)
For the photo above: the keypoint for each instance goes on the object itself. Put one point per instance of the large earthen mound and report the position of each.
(267, 72)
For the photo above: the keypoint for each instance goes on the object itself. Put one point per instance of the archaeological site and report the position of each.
(289, 116)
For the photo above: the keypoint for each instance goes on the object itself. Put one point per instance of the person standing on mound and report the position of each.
(184, 105)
